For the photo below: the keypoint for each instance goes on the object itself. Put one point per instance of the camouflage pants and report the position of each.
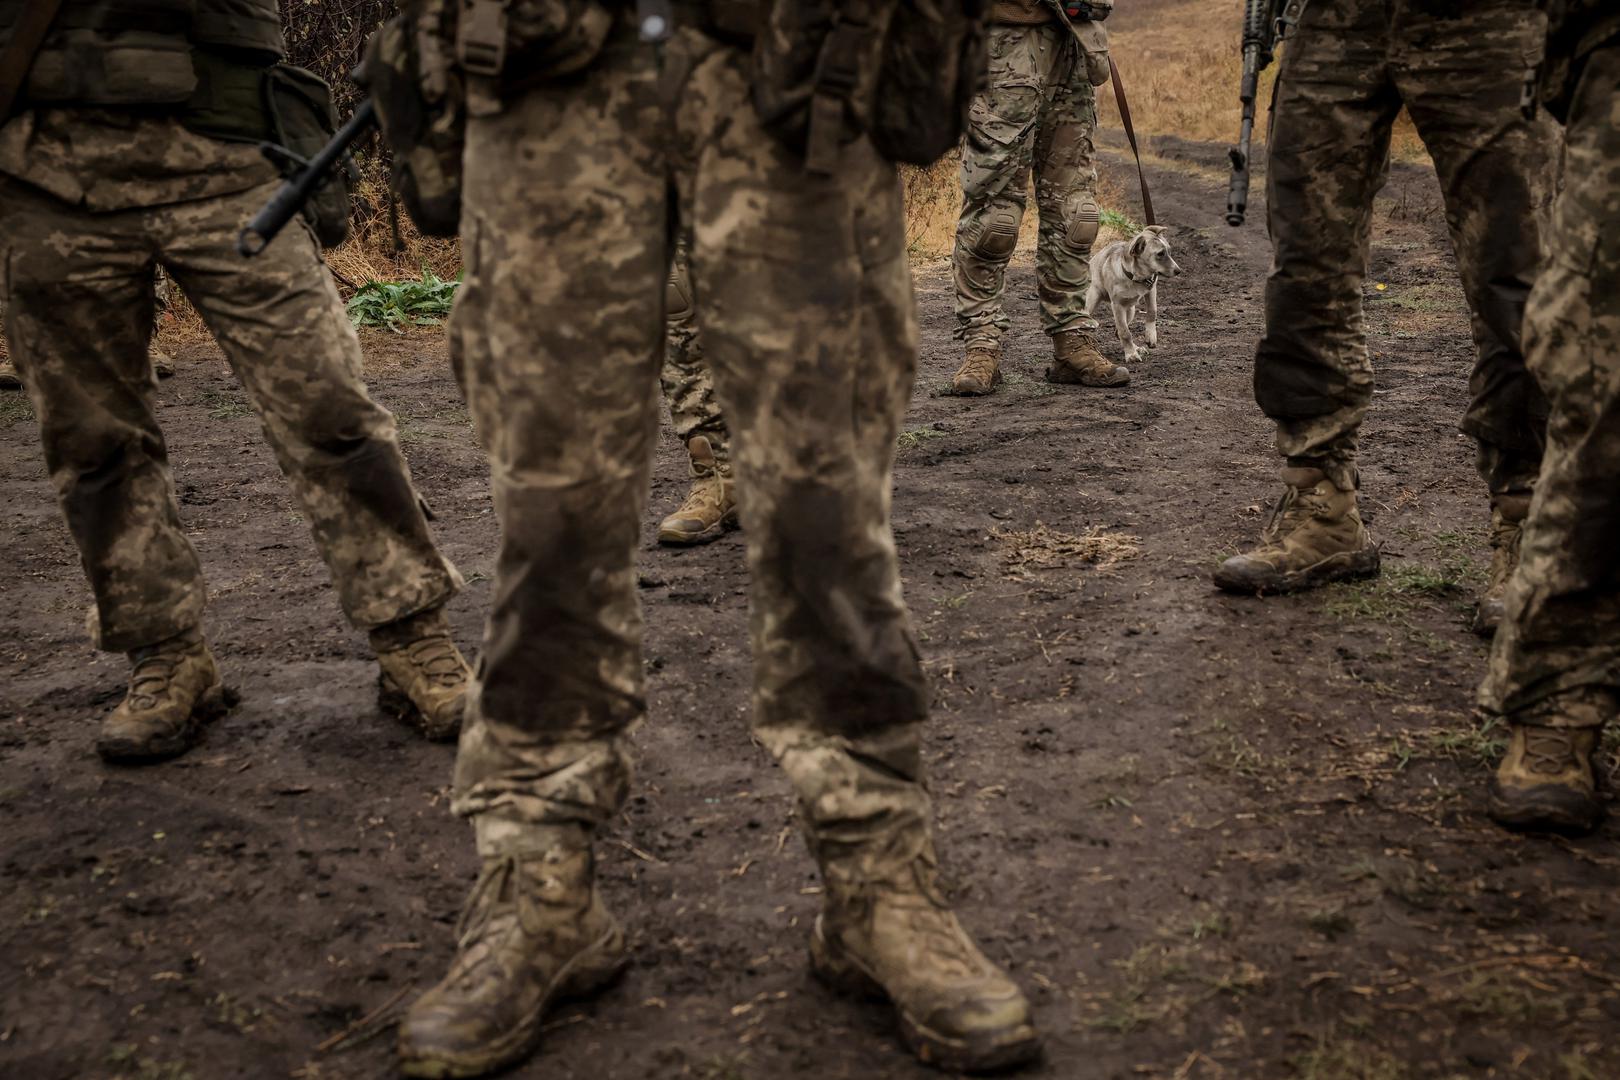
(1561, 633)
(808, 322)
(1038, 115)
(1347, 71)
(79, 293)
(688, 383)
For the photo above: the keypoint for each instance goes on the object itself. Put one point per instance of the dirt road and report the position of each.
(1214, 837)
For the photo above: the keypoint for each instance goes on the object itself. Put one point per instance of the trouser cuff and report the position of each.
(500, 836)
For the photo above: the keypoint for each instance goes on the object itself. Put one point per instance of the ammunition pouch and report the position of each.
(421, 106)
(522, 43)
(282, 105)
(902, 72)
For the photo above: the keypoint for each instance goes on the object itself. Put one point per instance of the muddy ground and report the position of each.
(1214, 837)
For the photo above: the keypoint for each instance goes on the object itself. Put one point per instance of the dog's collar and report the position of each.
(1151, 279)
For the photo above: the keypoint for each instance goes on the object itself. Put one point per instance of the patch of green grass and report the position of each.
(1501, 997)
(1480, 745)
(910, 440)
(1113, 219)
(1576, 1067)
(394, 305)
(223, 405)
(1344, 1060)
(15, 407)
(1212, 925)
(1392, 595)
(1126, 1008)
(955, 603)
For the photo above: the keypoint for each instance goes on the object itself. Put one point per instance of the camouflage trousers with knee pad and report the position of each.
(1036, 118)
(687, 382)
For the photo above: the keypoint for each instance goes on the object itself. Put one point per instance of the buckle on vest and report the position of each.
(481, 37)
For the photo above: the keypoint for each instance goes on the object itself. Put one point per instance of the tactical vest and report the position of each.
(150, 52)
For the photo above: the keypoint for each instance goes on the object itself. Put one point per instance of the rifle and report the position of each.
(304, 178)
(1265, 24)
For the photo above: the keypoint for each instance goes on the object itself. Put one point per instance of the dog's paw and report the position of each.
(1152, 336)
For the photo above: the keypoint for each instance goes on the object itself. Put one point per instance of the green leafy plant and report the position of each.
(396, 305)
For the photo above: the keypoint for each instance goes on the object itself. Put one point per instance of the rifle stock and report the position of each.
(302, 182)
(1264, 22)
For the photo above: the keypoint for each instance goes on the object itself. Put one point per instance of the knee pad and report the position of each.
(997, 234)
(678, 293)
(1081, 222)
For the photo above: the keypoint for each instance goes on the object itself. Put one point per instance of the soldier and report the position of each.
(1038, 114)
(102, 179)
(711, 505)
(809, 325)
(1555, 665)
(162, 362)
(1347, 71)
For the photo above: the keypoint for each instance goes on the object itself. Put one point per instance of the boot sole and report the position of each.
(995, 381)
(671, 538)
(394, 701)
(1550, 815)
(593, 970)
(1058, 378)
(212, 704)
(1342, 567)
(847, 975)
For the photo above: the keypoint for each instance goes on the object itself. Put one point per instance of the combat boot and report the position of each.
(1315, 536)
(710, 507)
(980, 372)
(8, 376)
(1076, 361)
(534, 932)
(162, 363)
(423, 677)
(1546, 781)
(174, 689)
(899, 939)
(1507, 525)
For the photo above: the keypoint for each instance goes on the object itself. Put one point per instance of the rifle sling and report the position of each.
(17, 60)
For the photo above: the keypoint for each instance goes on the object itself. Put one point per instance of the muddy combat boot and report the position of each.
(980, 373)
(162, 363)
(1315, 536)
(8, 376)
(424, 678)
(900, 940)
(534, 932)
(1546, 781)
(710, 507)
(1076, 361)
(174, 689)
(1507, 524)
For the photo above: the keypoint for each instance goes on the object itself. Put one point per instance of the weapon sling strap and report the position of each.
(1130, 134)
(33, 26)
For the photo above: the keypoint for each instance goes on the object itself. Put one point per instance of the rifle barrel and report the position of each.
(290, 198)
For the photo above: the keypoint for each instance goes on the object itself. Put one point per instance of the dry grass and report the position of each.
(1045, 548)
(1181, 64)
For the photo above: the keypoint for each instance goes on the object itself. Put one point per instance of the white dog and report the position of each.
(1127, 273)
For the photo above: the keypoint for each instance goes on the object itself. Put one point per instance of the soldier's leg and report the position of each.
(1066, 195)
(809, 321)
(557, 337)
(8, 370)
(1327, 156)
(710, 507)
(1462, 78)
(283, 328)
(79, 317)
(996, 156)
(1555, 665)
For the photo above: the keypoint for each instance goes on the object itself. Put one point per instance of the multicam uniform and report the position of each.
(1555, 665)
(1037, 116)
(809, 327)
(688, 386)
(1347, 70)
(102, 181)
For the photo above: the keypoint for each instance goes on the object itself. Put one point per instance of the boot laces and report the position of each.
(436, 657)
(1291, 510)
(151, 679)
(703, 499)
(980, 364)
(1548, 750)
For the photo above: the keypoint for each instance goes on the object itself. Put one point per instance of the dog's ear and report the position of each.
(1158, 230)
(1139, 245)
